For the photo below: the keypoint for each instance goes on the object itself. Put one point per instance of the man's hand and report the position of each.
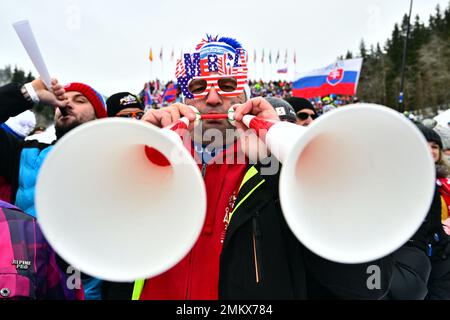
(56, 98)
(258, 107)
(168, 115)
(253, 147)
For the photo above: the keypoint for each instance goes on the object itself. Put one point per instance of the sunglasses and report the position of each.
(225, 86)
(134, 114)
(305, 115)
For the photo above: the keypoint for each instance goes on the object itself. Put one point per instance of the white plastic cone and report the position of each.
(110, 212)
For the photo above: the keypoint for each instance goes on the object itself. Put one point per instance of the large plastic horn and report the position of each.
(112, 211)
(356, 184)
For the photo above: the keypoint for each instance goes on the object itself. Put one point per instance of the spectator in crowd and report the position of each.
(124, 105)
(245, 250)
(76, 103)
(304, 110)
(29, 268)
(328, 104)
(436, 240)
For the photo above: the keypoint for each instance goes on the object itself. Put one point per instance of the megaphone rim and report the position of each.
(170, 262)
(309, 134)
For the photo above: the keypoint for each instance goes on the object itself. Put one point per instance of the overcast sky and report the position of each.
(106, 43)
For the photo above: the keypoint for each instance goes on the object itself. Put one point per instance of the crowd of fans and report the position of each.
(156, 94)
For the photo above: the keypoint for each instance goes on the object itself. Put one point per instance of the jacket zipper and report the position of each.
(256, 250)
(204, 170)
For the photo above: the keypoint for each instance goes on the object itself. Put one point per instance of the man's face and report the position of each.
(305, 117)
(131, 113)
(79, 110)
(212, 103)
(435, 151)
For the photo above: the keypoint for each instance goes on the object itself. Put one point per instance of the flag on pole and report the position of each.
(341, 77)
(147, 95)
(170, 93)
(151, 55)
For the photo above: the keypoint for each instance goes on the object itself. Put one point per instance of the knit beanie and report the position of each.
(300, 104)
(120, 101)
(430, 135)
(93, 96)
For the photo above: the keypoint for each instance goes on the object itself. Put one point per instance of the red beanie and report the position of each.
(93, 96)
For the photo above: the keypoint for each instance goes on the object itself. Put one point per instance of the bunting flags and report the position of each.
(151, 55)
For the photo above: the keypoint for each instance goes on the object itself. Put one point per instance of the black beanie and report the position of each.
(430, 135)
(300, 104)
(120, 101)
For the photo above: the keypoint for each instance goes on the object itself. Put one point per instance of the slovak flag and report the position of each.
(338, 78)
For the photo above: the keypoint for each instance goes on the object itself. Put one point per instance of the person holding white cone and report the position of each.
(245, 250)
(75, 104)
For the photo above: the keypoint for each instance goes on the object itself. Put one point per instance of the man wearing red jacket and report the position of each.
(245, 250)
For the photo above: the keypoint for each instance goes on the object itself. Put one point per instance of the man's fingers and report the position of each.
(174, 114)
(242, 109)
(186, 111)
(152, 118)
(166, 118)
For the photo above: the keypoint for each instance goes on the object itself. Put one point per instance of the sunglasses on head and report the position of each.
(305, 115)
(134, 114)
(225, 86)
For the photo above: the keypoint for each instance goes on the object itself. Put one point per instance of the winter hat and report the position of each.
(430, 135)
(444, 133)
(120, 101)
(93, 96)
(20, 125)
(300, 104)
(283, 109)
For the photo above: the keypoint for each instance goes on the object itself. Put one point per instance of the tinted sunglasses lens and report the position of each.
(137, 115)
(227, 84)
(302, 115)
(197, 86)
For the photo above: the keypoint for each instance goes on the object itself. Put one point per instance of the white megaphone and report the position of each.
(356, 184)
(111, 211)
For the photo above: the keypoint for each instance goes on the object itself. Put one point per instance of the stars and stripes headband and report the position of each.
(221, 64)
